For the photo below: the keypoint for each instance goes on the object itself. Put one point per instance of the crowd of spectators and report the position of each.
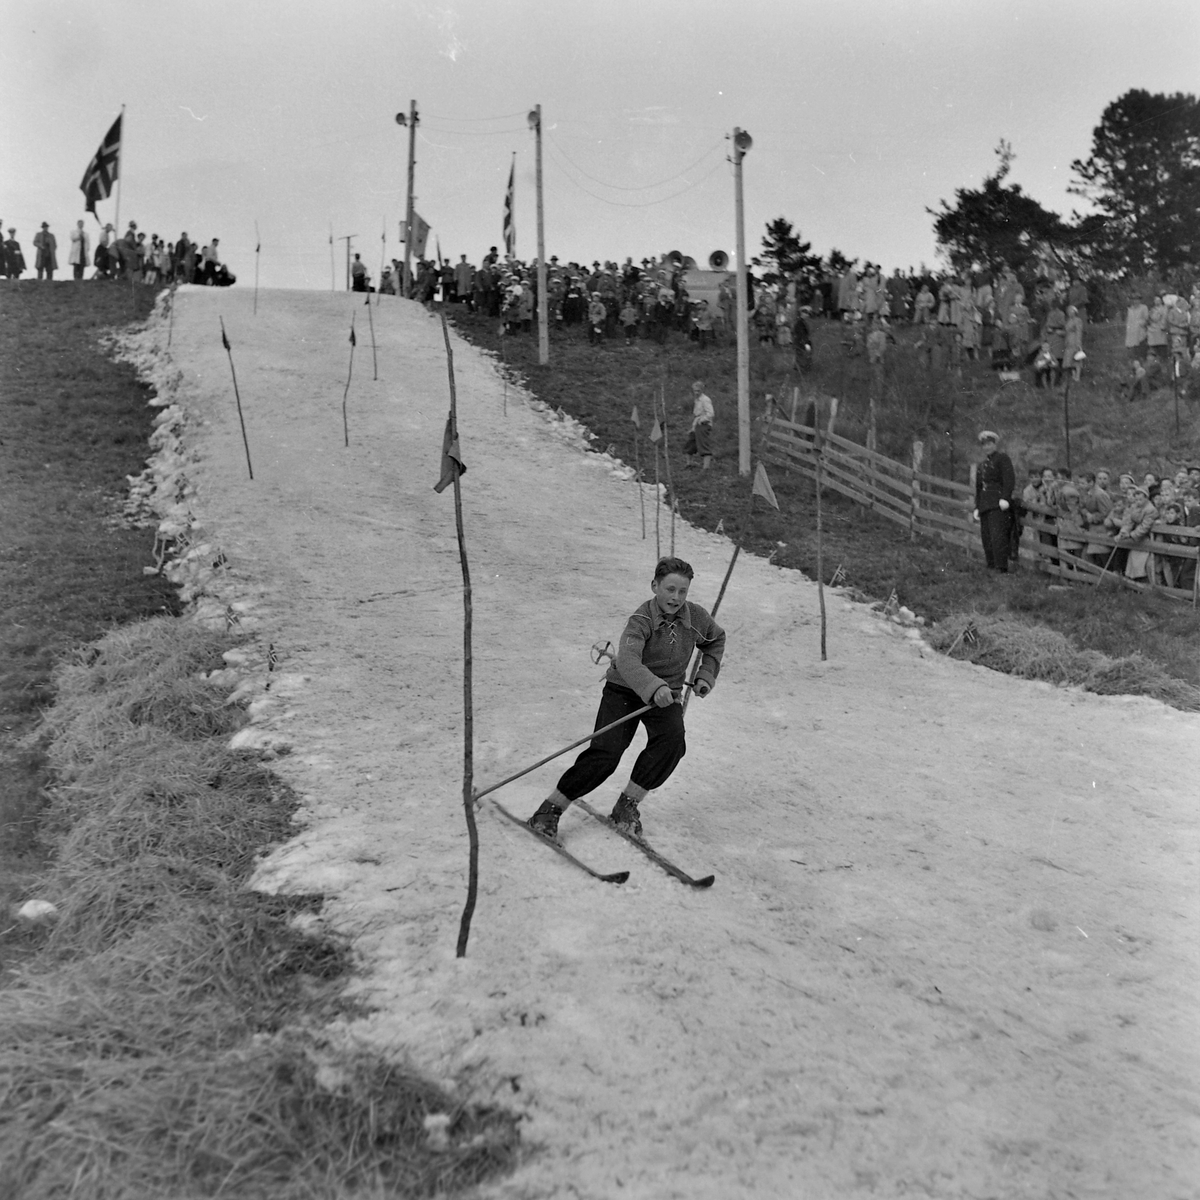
(1037, 331)
(605, 301)
(131, 257)
(1090, 503)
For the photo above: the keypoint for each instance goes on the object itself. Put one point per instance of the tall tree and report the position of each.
(997, 224)
(1143, 176)
(783, 253)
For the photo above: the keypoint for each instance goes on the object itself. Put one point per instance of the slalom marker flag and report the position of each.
(438, 243)
(420, 234)
(633, 416)
(762, 487)
(101, 173)
(510, 226)
(656, 432)
(354, 340)
(452, 463)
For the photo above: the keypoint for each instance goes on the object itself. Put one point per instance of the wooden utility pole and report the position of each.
(741, 143)
(535, 121)
(411, 122)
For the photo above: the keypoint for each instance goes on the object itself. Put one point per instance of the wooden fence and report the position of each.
(935, 507)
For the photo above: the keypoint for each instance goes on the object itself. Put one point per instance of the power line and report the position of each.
(642, 203)
(644, 187)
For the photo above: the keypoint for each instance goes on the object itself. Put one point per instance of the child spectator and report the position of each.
(650, 668)
(629, 321)
(597, 315)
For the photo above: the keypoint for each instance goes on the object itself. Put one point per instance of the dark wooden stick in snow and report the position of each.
(237, 396)
(464, 928)
(371, 322)
(349, 373)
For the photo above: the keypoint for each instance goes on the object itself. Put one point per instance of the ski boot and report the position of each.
(625, 816)
(545, 820)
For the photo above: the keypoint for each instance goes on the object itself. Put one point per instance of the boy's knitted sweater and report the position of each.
(656, 649)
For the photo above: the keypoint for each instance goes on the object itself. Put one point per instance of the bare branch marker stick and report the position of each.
(452, 466)
(637, 465)
(667, 460)
(237, 396)
(820, 458)
(345, 419)
(371, 322)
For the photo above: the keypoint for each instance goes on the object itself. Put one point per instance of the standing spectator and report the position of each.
(464, 283)
(1073, 343)
(358, 275)
(925, 305)
(1137, 317)
(994, 484)
(185, 256)
(597, 316)
(699, 439)
(78, 258)
(629, 321)
(14, 260)
(1156, 329)
(46, 245)
(1054, 336)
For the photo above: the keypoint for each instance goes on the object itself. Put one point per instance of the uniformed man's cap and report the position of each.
(988, 436)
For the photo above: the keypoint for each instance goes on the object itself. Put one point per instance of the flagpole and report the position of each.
(535, 119)
(120, 173)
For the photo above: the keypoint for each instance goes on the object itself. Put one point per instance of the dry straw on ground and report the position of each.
(171, 1037)
(1035, 652)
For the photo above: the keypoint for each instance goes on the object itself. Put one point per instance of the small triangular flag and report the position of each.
(353, 339)
(656, 432)
(452, 463)
(633, 416)
(762, 487)
(224, 339)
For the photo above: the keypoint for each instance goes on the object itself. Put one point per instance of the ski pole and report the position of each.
(578, 742)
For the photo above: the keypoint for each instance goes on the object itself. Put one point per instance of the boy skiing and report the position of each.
(650, 667)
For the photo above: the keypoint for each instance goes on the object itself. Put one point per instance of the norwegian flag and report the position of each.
(510, 226)
(101, 174)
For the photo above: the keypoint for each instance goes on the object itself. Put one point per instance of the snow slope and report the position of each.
(951, 950)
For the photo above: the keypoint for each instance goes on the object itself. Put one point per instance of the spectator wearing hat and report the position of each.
(46, 245)
(12, 260)
(994, 484)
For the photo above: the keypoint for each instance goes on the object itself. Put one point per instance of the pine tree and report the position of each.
(1143, 176)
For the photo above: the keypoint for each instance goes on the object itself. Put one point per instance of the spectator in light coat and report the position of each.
(80, 246)
(1137, 317)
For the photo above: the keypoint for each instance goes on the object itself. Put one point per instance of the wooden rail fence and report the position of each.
(935, 507)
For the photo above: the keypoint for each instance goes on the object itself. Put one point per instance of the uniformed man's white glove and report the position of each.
(1004, 506)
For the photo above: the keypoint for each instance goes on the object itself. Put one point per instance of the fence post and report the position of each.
(918, 453)
(971, 481)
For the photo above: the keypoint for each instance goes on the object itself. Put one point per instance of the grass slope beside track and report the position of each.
(1154, 643)
(73, 424)
(170, 1033)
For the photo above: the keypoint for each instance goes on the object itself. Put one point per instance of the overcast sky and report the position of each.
(863, 115)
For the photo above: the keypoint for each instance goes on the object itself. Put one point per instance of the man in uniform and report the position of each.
(994, 484)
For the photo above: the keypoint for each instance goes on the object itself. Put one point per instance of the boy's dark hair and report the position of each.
(673, 566)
